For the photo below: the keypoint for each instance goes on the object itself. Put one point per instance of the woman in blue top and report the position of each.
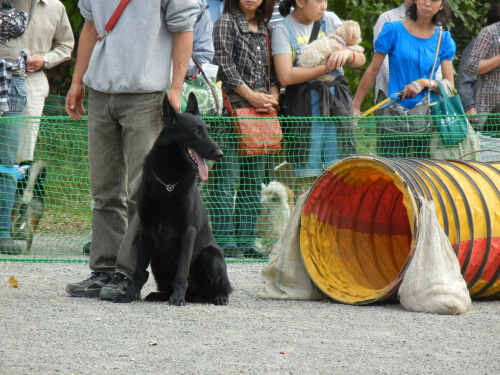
(411, 46)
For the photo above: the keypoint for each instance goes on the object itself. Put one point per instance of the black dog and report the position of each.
(175, 236)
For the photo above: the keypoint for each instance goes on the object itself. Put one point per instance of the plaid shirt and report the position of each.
(6, 70)
(487, 46)
(241, 54)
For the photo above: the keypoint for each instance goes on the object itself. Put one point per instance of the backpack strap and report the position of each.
(293, 38)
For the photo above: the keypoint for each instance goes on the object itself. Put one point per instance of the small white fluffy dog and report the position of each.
(275, 209)
(316, 52)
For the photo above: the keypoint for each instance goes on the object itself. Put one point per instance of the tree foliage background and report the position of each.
(468, 19)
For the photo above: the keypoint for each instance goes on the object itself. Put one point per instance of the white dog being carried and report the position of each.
(315, 53)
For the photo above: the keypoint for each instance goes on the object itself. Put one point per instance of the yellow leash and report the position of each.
(374, 108)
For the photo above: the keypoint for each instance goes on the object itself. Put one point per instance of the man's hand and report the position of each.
(35, 63)
(174, 97)
(74, 101)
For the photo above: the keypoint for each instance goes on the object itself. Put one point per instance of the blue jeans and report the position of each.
(9, 143)
(324, 148)
(235, 199)
(122, 130)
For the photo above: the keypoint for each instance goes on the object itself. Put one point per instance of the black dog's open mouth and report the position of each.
(200, 162)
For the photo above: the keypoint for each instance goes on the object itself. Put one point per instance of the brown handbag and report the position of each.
(257, 133)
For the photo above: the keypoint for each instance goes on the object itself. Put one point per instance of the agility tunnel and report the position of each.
(359, 226)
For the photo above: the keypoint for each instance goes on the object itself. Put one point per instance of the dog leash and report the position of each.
(384, 103)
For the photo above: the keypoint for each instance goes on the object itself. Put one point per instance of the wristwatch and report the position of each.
(46, 63)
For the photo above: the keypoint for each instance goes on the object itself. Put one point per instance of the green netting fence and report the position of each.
(65, 226)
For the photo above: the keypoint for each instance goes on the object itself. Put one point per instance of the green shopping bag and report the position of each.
(451, 124)
(207, 92)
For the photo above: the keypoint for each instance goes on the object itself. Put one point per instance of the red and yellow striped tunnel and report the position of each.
(359, 225)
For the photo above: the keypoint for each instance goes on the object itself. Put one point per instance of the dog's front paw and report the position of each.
(177, 301)
(124, 298)
(221, 301)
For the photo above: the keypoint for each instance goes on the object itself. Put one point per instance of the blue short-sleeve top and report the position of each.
(411, 58)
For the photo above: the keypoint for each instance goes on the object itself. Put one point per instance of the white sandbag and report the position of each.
(285, 276)
(433, 282)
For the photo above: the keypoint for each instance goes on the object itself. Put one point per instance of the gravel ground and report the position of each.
(44, 331)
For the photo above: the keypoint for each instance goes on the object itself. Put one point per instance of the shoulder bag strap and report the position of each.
(198, 65)
(269, 66)
(114, 18)
(438, 47)
(302, 86)
(227, 103)
(314, 31)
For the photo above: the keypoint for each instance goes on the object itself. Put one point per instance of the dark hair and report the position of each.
(493, 15)
(263, 14)
(285, 7)
(441, 18)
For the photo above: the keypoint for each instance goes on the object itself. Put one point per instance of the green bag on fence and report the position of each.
(452, 125)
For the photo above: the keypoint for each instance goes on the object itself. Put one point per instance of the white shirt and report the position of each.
(396, 14)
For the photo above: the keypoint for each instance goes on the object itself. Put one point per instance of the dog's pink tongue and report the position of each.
(202, 166)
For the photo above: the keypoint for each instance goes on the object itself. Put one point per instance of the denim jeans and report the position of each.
(324, 147)
(9, 142)
(122, 130)
(235, 199)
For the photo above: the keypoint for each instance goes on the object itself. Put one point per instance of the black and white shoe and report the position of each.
(90, 287)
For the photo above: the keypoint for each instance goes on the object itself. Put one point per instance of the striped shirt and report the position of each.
(487, 46)
(6, 69)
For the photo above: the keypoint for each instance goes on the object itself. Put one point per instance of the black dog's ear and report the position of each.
(192, 104)
(170, 115)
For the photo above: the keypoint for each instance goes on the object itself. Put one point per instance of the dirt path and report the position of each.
(43, 331)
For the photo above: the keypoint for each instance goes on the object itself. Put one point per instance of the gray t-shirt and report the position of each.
(281, 42)
(136, 56)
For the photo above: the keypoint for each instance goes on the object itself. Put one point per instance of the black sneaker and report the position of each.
(19, 235)
(254, 254)
(117, 287)
(86, 248)
(90, 287)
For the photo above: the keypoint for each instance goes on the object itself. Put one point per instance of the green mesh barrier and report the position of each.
(62, 146)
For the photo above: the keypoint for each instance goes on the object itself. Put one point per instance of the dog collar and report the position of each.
(169, 187)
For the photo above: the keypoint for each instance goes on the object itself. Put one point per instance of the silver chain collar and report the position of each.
(169, 187)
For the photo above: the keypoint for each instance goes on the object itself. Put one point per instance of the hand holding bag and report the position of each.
(258, 133)
(452, 123)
